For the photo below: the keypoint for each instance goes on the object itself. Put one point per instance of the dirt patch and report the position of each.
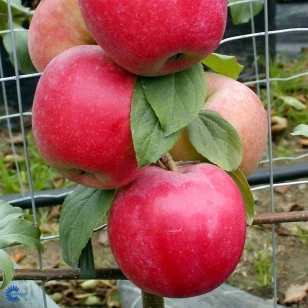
(254, 273)
(73, 293)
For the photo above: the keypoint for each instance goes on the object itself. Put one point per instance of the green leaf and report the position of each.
(8, 212)
(19, 231)
(216, 139)
(300, 130)
(240, 12)
(17, 6)
(14, 229)
(242, 183)
(3, 21)
(176, 98)
(7, 268)
(21, 45)
(18, 13)
(224, 65)
(292, 102)
(148, 136)
(81, 211)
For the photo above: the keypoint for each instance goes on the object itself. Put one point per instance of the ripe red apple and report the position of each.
(156, 37)
(56, 26)
(241, 107)
(178, 234)
(81, 114)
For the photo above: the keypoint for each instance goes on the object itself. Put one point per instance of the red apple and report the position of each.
(242, 108)
(81, 118)
(156, 37)
(178, 234)
(56, 26)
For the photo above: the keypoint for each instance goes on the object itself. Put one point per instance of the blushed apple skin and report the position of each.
(56, 25)
(178, 234)
(80, 119)
(242, 108)
(156, 37)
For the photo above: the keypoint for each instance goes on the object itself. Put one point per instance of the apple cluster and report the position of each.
(173, 233)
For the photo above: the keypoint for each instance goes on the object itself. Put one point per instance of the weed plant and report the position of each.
(43, 176)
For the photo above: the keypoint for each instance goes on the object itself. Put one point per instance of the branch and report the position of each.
(65, 274)
(276, 218)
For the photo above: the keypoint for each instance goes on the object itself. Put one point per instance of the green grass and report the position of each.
(283, 150)
(42, 175)
(262, 261)
(281, 67)
(302, 235)
(289, 99)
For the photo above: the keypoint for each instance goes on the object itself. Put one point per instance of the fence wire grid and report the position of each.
(257, 79)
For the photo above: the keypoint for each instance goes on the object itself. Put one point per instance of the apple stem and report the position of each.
(187, 162)
(167, 162)
(160, 164)
(152, 301)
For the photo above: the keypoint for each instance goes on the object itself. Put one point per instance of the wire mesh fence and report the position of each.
(277, 170)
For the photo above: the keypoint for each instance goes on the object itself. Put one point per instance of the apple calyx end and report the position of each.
(176, 57)
(82, 172)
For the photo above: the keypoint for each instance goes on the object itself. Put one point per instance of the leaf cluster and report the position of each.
(163, 106)
(15, 229)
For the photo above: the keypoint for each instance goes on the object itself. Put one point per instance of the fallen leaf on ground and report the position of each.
(18, 256)
(57, 286)
(47, 228)
(278, 124)
(17, 139)
(283, 231)
(56, 263)
(282, 189)
(296, 293)
(272, 300)
(303, 97)
(58, 182)
(291, 207)
(303, 142)
(90, 284)
(54, 213)
(10, 158)
(57, 297)
(292, 229)
(113, 298)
